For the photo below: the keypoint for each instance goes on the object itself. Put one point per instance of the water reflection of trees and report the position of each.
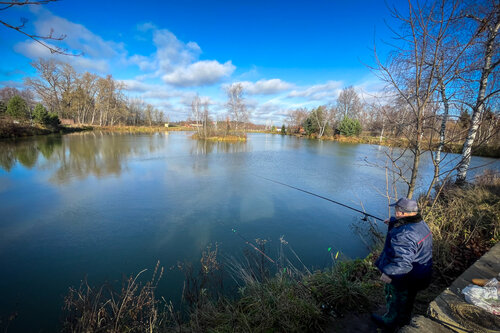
(78, 155)
(205, 147)
(26, 152)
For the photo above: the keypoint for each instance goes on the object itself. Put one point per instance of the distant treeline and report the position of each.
(83, 98)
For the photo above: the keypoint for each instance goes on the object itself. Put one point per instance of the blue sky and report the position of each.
(287, 54)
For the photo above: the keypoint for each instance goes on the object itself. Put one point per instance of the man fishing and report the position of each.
(405, 263)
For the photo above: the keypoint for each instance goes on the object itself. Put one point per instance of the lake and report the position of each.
(103, 205)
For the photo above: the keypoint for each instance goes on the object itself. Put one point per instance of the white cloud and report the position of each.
(146, 26)
(177, 63)
(200, 73)
(77, 36)
(327, 91)
(137, 86)
(266, 87)
(158, 92)
(95, 52)
(371, 90)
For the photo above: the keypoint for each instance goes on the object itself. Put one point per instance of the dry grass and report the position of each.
(133, 309)
(465, 223)
(221, 137)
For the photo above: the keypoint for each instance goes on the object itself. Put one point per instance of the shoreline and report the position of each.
(455, 148)
(11, 130)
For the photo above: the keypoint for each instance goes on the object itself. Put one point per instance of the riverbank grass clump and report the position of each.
(465, 223)
(133, 308)
(279, 304)
(350, 285)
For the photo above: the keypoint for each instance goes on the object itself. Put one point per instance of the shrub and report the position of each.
(40, 114)
(310, 126)
(43, 117)
(349, 285)
(52, 120)
(17, 107)
(349, 127)
(3, 107)
(465, 223)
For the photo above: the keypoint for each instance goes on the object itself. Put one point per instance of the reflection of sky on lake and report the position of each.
(107, 204)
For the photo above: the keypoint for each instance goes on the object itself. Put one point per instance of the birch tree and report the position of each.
(322, 117)
(236, 107)
(411, 69)
(486, 19)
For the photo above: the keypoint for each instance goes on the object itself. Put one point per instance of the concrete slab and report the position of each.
(450, 309)
(421, 324)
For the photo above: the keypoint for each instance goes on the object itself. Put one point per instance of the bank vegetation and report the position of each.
(283, 295)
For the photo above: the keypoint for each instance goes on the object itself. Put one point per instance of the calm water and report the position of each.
(106, 204)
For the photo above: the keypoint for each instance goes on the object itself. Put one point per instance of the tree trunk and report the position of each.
(477, 110)
(442, 138)
(417, 153)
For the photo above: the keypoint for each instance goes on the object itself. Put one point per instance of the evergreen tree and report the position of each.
(283, 129)
(464, 119)
(349, 127)
(40, 114)
(3, 107)
(17, 107)
(310, 126)
(52, 120)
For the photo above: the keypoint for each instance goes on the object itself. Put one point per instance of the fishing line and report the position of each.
(324, 198)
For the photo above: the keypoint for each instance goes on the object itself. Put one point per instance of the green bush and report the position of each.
(349, 127)
(3, 107)
(283, 129)
(349, 286)
(310, 126)
(40, 114)
(17, 107)
(53, 120)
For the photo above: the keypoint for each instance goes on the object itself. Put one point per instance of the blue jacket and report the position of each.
(407, 254)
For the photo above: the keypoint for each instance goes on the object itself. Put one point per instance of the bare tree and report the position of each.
(196, 112)
(411, 69)
(201, 115)
(48, 83)
(236, 107)
(349, 104)
(296, 118)
(148, 114)
(85, 96)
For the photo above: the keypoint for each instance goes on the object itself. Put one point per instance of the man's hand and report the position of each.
(385, 278)
(386, 221)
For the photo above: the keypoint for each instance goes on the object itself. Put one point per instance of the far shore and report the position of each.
(13, 130)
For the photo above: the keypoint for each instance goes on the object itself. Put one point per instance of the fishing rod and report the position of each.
(324, 198)
(254, 247)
